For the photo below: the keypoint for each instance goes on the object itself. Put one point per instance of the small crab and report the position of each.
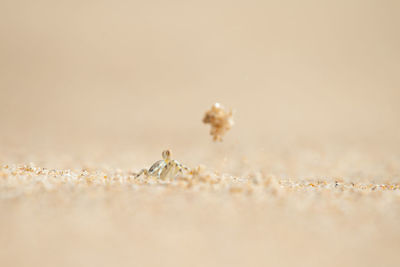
(165, 168)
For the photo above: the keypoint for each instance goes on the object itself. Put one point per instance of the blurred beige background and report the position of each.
(125, 75)
(315, 86)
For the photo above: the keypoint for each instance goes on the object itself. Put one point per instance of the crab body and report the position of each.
(165, 168)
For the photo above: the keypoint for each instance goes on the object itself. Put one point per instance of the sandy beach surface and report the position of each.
(92, 92)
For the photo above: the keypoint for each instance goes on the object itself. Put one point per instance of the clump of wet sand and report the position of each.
(220, 119)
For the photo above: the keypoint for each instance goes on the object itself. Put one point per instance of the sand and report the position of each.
(92, 92)
(102, 216)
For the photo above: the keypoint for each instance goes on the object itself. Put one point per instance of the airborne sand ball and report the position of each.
(221, 121)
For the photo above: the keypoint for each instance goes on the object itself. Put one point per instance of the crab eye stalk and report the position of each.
(166, 154)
